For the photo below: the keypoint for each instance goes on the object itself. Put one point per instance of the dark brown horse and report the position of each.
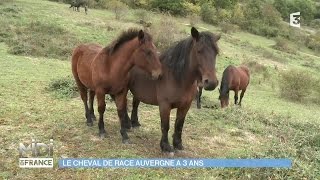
(106, 71)
(235, 79)
(182, 65)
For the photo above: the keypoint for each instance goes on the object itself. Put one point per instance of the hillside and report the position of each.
(36, 41)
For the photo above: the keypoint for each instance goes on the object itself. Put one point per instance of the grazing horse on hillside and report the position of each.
(182, 65)
(236, 79)
(106, 71)
(75, 5)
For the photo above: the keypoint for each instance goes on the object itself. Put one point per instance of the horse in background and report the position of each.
(235, 79)
(99, 71)
(183, 64)
(76, 4)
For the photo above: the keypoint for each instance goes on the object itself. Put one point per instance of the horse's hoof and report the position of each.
(90, 124)
(169, 154)
(179, 147)
(125, 141)
(127, 126)
(136, 125)
(167, 148)
(103, 135)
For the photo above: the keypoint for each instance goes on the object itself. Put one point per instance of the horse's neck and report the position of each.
(122, 60)
(191, 76)
(224, 86)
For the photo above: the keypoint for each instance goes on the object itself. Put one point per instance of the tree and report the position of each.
(283, 6)
(306, 7)
(225, 4)
(175, 7)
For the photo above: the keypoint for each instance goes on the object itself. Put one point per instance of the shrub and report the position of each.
(261, 19)
(192, 8)
(118, 7)
(143, 4)
(176, 7)
(229, 28)
(223, 15)
(295, 84)
(274, 57)
(306, 7)
(194, 19)
(41, 39)
(283, 6)
(283, 45)
(313, 42)
(317, 91)
(315, 23)
(164, 32)
(225, 4)
(255, 67)
(5, 1)
(143, 15)
(63, 87)
(208, 13)
(238, 15)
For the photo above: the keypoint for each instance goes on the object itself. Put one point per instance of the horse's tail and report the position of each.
(247, 71)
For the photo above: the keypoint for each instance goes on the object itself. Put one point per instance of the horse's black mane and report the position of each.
(124, 37)
(177, 57)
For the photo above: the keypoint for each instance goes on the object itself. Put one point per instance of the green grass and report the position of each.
(266, 126)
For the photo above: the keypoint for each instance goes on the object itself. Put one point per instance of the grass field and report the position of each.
(266, 126)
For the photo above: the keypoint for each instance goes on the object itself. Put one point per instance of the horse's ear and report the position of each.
(141, 36)
(195, 33)
(217, 37)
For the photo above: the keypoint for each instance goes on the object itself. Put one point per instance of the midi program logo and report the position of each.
(36, 155)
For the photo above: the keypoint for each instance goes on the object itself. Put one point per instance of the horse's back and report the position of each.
(82, 57)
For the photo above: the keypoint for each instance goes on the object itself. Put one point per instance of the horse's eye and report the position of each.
(149, 53)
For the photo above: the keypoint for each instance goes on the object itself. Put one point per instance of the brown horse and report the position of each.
(236, 79)
(105, 71)
(182, 65)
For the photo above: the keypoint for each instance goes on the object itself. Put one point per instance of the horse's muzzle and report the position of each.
(210, 85)
(157, 74)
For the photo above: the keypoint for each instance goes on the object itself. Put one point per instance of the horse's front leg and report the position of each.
(121, 103)
(178, 126)
(165, 110)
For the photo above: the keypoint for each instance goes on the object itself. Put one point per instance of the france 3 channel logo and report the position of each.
(36, 155)
(295, 19)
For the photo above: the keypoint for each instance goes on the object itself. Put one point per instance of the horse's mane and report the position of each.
(224, 86)
(124, 37)
(177, 57)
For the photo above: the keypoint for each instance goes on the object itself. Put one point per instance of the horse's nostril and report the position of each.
(206, 81)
